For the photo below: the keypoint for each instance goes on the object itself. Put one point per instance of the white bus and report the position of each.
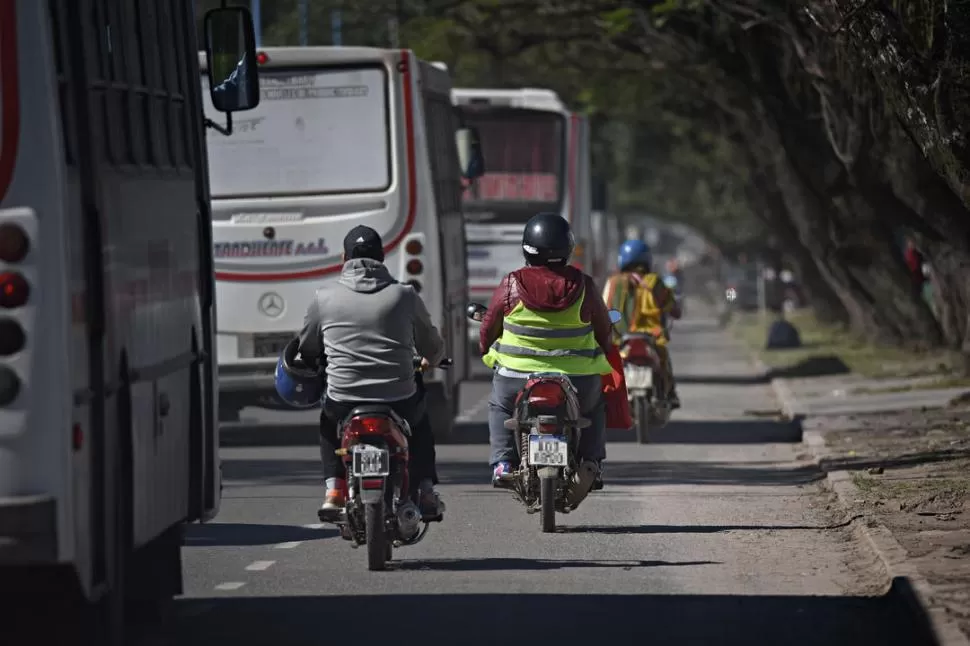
(342, 136)
(108, 433)
(538, 158)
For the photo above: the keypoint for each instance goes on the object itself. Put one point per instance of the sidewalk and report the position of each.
(901, 460)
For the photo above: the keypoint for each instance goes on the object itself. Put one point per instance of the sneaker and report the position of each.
(432, 508)
(333, 506)
(502, 475)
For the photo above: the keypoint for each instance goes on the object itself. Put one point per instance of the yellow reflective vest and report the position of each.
(548, 342)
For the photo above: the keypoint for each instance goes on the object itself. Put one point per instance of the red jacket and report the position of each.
(544, 289)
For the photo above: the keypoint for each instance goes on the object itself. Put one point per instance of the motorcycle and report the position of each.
(547, 426)
(381, 510)
(642, 371)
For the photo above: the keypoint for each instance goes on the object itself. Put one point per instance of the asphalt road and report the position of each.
(714, 534)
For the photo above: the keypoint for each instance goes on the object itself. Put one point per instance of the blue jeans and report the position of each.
(592, 441)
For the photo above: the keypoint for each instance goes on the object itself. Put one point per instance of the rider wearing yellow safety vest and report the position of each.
(545, 317)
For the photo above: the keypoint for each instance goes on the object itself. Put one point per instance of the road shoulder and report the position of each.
(906, 475)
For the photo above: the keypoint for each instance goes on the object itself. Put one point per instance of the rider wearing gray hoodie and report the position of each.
(367, 327)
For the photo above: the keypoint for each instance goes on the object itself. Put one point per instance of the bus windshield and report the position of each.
(524, 157)
(315, 131)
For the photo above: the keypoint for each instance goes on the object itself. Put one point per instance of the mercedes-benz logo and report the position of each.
(271, 304)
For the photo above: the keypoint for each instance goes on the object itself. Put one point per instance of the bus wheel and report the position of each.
(441, 410)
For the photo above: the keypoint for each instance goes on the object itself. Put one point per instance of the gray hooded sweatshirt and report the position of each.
(367, 327)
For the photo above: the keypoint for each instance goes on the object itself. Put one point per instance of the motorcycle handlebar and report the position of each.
(447, 362)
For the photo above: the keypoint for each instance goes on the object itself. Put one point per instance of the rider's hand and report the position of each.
(425, 364)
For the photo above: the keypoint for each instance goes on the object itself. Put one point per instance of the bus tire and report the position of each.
(441, 410)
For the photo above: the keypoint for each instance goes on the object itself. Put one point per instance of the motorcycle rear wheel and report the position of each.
(547, 498)
(641, 415)
(377, 545)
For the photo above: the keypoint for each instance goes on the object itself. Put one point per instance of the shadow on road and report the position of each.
(750, 431)
(520, 564)
(254, 472)
(218, 534)
(693, 529)
(662, 473)
(675, 620)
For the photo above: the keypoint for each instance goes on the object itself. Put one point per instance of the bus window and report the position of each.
(314, 132)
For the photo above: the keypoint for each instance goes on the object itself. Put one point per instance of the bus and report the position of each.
(538, 155)
(108, 434)
(342, 136)
(605, 245)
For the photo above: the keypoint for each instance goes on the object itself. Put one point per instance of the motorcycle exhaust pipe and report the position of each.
(408, 520)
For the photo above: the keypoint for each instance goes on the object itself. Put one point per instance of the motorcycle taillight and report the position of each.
(368, 426)
(547, 394)
(636, 349)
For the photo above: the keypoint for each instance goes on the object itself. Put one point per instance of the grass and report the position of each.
(904, 488)
(820, 340)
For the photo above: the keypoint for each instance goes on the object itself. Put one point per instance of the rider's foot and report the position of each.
(502, 475)
(334, 503)
(431, 505)
(674, 400)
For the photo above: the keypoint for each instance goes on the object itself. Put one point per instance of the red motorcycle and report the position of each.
(642, 370)
(547, 425)
(381, 511)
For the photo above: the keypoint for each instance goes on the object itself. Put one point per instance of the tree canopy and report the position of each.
(820, 130)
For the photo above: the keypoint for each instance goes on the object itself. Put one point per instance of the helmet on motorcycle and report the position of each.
(296, 384)
(547, 240)
(634, 253)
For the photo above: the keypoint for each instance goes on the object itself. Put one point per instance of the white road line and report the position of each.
(314, 526)
(289, 545)
(232, 585)
(469, 414)
(258, 566)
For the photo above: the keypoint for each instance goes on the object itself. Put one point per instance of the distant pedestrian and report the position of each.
(914, 264)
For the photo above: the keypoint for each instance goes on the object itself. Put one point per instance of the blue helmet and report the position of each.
(633, 252)
(296, 384)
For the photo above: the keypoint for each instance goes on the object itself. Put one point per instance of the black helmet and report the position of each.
(547, 240)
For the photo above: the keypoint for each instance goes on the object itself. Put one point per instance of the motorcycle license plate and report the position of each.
(370, 461)
(548, 451)
(638, 377)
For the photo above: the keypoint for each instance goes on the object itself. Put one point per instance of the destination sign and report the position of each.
(514, 187)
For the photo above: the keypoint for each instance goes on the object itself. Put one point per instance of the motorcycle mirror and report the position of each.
(615, 316)
(475, 311)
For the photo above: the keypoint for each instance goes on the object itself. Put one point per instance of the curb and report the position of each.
(876, 536)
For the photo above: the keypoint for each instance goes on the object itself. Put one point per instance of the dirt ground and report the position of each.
(913, 474)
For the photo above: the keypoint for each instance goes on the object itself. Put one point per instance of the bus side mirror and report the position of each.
(470, 153)
(230, 50)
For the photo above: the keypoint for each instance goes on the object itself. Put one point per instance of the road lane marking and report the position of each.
(259, 566)
(288, 545)
(469, 414)
(231, 585)
(314, 526)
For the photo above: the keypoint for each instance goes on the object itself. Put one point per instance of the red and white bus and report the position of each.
(537, 154)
